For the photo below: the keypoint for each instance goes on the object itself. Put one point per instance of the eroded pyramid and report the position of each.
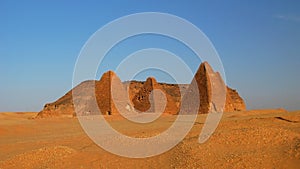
(110, 96)
(209, 88)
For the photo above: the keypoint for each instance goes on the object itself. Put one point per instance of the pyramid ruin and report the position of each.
(214, 95)
(147, 101)
(111, 96)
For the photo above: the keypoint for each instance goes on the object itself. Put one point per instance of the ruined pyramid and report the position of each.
(209, 87)
(110, 96)
(145, 100)
(91, 97)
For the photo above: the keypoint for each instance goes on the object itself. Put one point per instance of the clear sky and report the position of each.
(258, 43)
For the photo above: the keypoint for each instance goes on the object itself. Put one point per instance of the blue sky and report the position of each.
(258, 43)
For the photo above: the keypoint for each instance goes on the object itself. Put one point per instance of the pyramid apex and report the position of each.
(151, 79)
(206, 66)
(110, 72)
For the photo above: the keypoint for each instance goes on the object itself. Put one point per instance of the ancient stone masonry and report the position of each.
(234, 102)
(214, 96)
(111, 96)
(145, 100)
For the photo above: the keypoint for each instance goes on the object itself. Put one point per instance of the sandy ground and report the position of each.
(252, 139)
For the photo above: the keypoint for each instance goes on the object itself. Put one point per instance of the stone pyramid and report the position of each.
(111, 95)
(109, 92)
(108, 95)
(148, 100)
(144, 100)
(209, 88)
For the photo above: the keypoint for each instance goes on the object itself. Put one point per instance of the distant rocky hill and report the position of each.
(110, 95)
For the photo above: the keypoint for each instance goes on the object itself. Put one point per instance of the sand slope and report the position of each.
(252, 139)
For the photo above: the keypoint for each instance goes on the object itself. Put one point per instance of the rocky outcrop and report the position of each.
(64, 105)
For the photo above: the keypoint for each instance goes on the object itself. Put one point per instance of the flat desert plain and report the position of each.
(249, 139)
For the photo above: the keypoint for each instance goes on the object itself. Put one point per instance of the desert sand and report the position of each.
(246, 139)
